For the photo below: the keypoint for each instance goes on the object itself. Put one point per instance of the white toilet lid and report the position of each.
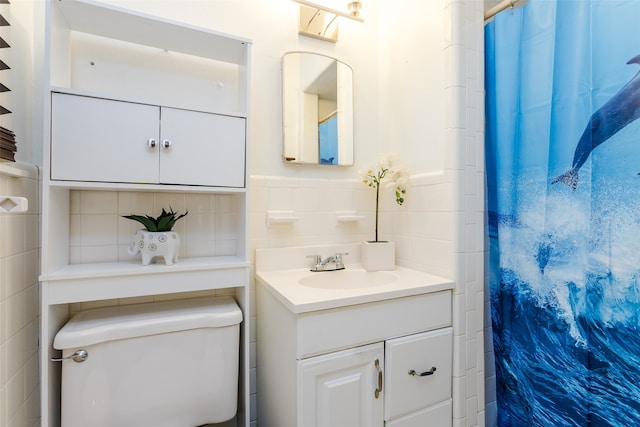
(128, 321)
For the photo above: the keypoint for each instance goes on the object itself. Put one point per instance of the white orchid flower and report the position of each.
(393, 177)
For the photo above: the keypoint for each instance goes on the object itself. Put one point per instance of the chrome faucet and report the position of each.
(331, 263)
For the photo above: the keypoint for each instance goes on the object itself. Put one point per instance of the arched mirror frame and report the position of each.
(317, 109)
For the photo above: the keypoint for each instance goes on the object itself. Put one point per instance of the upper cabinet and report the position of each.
(149, 144)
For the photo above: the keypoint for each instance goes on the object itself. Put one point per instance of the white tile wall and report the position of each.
(19, 267)
(98, 233)
(465, 162)
(316, 203)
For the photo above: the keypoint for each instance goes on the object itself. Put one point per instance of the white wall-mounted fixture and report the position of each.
(321, 20)
(348, 216)
(281, 217)
(9, 204)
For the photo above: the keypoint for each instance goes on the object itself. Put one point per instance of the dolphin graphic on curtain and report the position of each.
(620, 110)
(563, 99)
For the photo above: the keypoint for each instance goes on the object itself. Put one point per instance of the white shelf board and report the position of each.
(18, 170)
(133, 268)
(93, 282)
(105, 20)
(125, 186)
(136, 100)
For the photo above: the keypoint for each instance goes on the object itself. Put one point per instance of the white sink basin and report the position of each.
(284, 272)
(347, 279)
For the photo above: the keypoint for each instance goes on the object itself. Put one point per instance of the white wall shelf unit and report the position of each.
(99, 51)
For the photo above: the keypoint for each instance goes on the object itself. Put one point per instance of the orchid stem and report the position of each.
(377, 197)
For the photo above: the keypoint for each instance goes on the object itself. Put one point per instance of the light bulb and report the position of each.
(354, 7)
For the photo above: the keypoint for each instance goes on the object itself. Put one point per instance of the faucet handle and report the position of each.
(339, 259)
(317, 259)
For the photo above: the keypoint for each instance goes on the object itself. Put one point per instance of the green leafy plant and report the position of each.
(164, 222)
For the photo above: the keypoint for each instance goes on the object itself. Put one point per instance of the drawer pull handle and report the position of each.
(379, 389)
(423, 374)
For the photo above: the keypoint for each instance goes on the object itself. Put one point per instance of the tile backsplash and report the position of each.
(422, 228)
(99, 233)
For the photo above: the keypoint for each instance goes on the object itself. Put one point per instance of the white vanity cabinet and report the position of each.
(140, 111)
(378, 363)
(128, 142)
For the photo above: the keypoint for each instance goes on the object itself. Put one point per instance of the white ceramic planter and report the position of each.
(152, 244)
(376, 256)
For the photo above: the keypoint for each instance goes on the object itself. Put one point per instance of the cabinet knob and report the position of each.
(166, 143)
(151, 142)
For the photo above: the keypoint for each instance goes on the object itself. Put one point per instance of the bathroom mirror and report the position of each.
(317, 102)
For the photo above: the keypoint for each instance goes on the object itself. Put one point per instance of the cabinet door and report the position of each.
(440, 415)
(95, 139)
(418, 371)
(339, 389)
(202, 148)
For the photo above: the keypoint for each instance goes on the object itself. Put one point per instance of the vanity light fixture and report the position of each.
(321, 22)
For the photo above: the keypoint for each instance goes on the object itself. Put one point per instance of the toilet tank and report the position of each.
(164, 364)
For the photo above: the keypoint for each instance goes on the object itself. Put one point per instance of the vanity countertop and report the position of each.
(286, 286)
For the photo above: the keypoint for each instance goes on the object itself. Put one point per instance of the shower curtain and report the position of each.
(563, 180)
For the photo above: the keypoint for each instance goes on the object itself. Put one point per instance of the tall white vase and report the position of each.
(376, 256)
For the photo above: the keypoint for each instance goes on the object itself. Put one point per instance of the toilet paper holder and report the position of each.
(11, 204)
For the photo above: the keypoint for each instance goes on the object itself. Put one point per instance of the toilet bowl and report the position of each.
(167, 364)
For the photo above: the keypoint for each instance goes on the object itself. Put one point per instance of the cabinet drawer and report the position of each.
(439, 415)
(418, 353)
(345, 327)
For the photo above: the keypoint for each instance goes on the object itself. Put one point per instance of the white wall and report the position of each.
(412, 104)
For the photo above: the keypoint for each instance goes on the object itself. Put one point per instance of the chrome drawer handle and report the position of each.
(152, 143)
(79, 356)
(422, 374)
(379, 389)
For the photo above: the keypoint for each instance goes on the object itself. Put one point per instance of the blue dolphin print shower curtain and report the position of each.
(563, 182)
